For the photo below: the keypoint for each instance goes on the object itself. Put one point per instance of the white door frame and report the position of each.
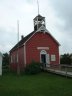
(47, 57)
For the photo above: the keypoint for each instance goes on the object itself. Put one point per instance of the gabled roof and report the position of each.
(22, 41)
(43, 29)
(25, 39)
(39, 16)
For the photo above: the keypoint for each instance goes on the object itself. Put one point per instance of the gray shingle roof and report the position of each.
(21, 42)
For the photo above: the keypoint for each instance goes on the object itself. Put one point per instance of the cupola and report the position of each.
(38, 22)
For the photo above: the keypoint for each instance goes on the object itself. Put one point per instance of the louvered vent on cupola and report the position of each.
(38, 22)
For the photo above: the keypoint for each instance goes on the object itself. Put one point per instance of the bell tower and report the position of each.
(38, 22)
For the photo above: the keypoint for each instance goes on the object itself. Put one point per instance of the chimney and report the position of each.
(22, 37)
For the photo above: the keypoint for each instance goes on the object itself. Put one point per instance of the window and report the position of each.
(14, 58)
(53, 58)
(17, 58)
(11, 59)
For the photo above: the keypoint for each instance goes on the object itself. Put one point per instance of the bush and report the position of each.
(33, 68)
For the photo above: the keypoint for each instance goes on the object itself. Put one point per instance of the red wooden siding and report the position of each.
(20, 59)
(41, 40)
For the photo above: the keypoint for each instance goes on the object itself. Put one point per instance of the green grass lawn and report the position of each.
(43, 84)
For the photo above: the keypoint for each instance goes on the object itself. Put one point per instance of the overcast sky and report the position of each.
(58, 15)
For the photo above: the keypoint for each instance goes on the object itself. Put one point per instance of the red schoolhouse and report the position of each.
(39, 46)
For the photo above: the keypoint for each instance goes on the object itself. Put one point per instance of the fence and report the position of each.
(61, 69)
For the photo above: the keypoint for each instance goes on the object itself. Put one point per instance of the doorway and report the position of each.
(44, 58)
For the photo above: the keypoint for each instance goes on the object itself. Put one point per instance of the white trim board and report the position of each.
(42, 29)
(43, 48)
(46, 31)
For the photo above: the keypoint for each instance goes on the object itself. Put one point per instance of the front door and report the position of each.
(43, 59)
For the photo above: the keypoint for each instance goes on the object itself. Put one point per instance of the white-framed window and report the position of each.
(53, 57)
(17, 58)
(11, 59)
(14, 58)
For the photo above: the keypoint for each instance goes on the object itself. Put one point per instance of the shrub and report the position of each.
(33, 68)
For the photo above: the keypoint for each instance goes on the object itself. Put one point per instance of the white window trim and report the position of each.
(14, 58)
(53, 57)
(43, 48)
(11, 59)
(17, 58)
(45, 31)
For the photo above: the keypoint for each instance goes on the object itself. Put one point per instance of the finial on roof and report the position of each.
(38, 6)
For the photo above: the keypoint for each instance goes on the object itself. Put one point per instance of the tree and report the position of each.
(65, 59)
(5, 59)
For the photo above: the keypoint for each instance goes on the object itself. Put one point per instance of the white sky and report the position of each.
(58, 21)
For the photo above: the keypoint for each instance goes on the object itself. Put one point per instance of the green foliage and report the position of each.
(5, 59)
(33, 68)
(66, 59)
(5, 63)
